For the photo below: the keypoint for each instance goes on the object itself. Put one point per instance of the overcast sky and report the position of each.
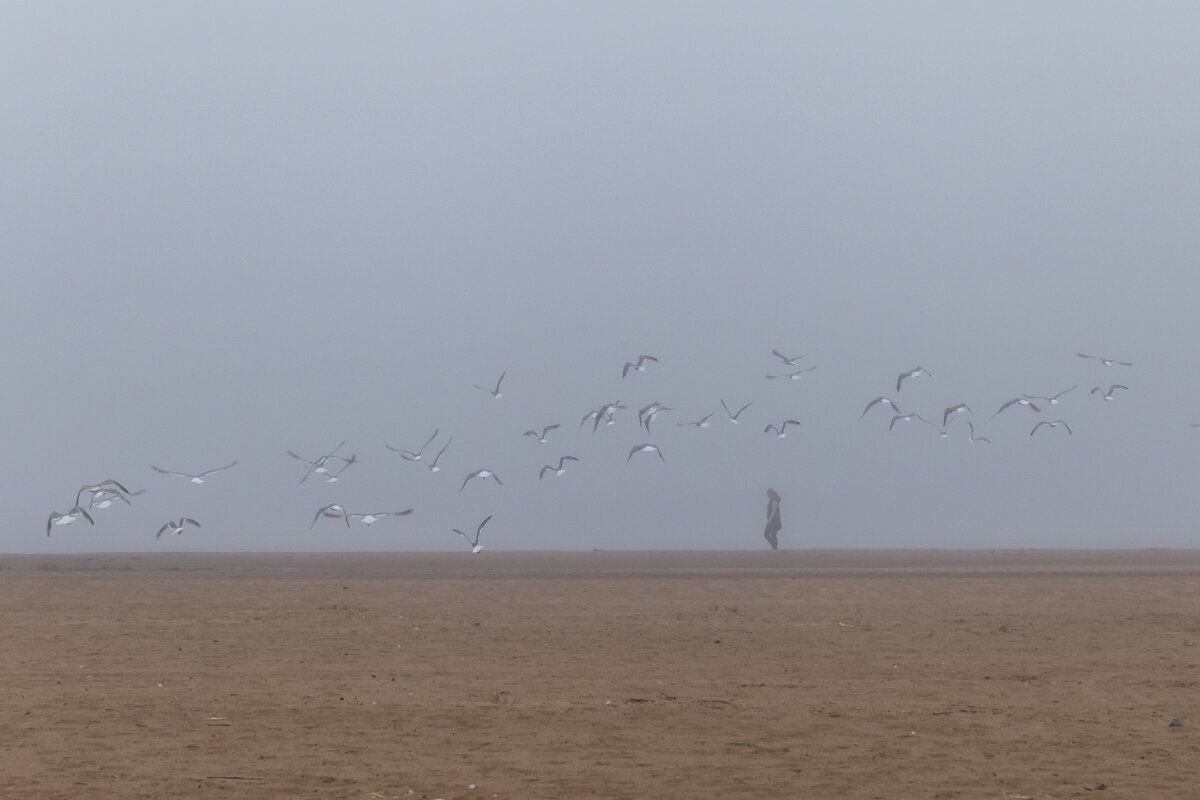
(229, 230)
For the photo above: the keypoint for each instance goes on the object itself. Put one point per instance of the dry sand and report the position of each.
(624, 675)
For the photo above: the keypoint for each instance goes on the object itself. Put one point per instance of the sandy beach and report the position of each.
(852, 674)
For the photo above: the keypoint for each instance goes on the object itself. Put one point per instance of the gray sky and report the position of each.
(234, 229)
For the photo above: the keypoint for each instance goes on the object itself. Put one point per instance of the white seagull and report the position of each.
(647, 447)
(475, 545)
(333, 511)
(881, 400)
(908, 418)
(650, 412)
(496, 393)
(791, 362)
(733, 418)
(104, 499)
(433, 465)
(915, 372)
(198, 478)
(559, 470)
(1051, 400)
(781, 430)
(171, 526)
(605, 414)
(410, 455)
(375, 516)
(640, 366)
(66, 519)
(699, 423)
(317, 466)
(483, 474)
(956, 409)
(1053, 424)
(1018, 401)
(794, 376)
(541, 439)
(1109, 394)
(1108, 362)
(334, 477)
(975, 438)
(95, 488)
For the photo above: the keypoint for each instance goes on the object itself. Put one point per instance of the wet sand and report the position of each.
(855, 674)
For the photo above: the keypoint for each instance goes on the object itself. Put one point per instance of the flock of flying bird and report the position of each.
(332, 465)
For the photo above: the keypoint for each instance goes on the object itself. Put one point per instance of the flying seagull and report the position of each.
(1051, 400)
(956, 409)
(975, 438)
(333, 511)
(646, 447)
(317, 466)
(95, 488)
(66, 519)
(171, 526)
(881, 400)
(475, 545)
(915, 372)
(699, 423)
(733, 418)
(794, 376)
(104, 499)
(781, 430)
(197, 479)
(496, 393)
(640, 366)
(334, 477)
(409, 455)
(1109, 394)
(650, 412)
(559, 470)
(542, 438)
(1053, 424)
(375, 516)
(1018, 401)
(791, 362)
(433, 465)
(1108, 362)
(605, 413)
(483, 474)
(908, 418)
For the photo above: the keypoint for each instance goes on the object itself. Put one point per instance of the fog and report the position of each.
(230, 230)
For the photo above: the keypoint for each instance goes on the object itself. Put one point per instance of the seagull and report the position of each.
(197, 479)
(975, 438)
(605, 412)
(1051, 400)
(650, 412)
(483, 474)
(334, 477)
(367, 519)
(733, 418)
(644, 448)
(496, 393)
(700, 423)
(952, 410)
(781, 430)
(433, 465)
(915, 372)
(1018, 401)
(542, 438)
(317, 466)
(908, 418)
(1108, 362)
(1109, 394)
(794, 376)
(66, 519)
(1054, 424)
(591, 415)
(475, 545)
(104, 499)
(943, 431)
(95, 488)
(881, 400)
(559, 470)
(640, 366)
(333, 511)
(791, 362)
(174, 527)
(409, 455)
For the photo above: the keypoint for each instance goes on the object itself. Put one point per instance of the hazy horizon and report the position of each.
(235, 230)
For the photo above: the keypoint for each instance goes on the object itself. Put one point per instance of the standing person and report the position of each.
(774, 525)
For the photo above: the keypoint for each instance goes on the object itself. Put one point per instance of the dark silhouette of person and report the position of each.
(774, 524)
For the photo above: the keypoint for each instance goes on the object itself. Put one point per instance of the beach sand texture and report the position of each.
(864, 674)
